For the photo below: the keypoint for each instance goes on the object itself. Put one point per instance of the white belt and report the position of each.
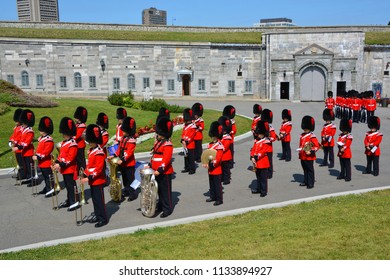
(157, 159)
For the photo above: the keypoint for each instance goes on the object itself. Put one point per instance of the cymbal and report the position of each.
(208, 155)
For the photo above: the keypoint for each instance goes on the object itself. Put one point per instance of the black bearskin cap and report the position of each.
(27, 117)
(93, 134)
(330, 93)
(129, 126)
(267, 115)
(163, 112)
(197, 108)
(328, 115)
(286, 114)
(67, 127)
(374, 122)
(215, 130)
(164, 127)
(102, 120)
(346, 125)
(46, 125)
(257, 109)
(81, 113)
(262, 127)
(226, 124)
(188, 115)
(17, 114)
(229, 111)
(308, 123)
(121, 113)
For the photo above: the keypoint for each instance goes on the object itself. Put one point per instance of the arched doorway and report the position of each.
(313, 84)
(186, 81)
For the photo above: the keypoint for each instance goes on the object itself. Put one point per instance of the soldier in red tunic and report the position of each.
(44, 151)
(187, 141)
(308, 146)
(257, 109)
(327, 138)
(227, 154)
(94, 174)
(14, 141)
(102, 122)
(121, 113)
(161, 163)
(80, 115)
(259, 157)
(230, 112)
(214, 166)
(66, 161)
(197, 109)
(370, 104)
(371, 142)
(285, 135)
(330, 102)
(344, 143)
(267, 116)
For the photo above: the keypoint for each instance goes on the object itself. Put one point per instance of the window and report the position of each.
(116, 83)
(146, 83)
(77, 80)
(248, 86)
(63, 82)
(201, 84)
(131, 82)
(39, 80)
(25, 79)
(92, 81)
(231, 86)
(10, 79)
(171, 85)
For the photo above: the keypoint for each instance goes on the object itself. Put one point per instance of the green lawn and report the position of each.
(353, 227)
(68, 106)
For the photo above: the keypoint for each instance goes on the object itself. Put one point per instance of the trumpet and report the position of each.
(54, 193)
(77, 204)
(81, 175)
(34, 188)
(58, 146)
(57, 187)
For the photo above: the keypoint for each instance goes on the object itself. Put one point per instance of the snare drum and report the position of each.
(112, 149)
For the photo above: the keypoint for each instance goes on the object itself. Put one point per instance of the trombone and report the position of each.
(53, 191)
(34, 183)
(80, 200)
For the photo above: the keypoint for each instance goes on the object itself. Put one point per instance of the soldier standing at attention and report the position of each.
(197, 109)
(285, 135)
(327, 138)
(371, 142)
(344, 143)
(80, 115)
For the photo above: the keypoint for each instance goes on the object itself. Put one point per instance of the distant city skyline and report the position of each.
(220, 13)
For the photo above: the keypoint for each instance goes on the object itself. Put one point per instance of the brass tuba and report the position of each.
(115, 183)
(149, 192)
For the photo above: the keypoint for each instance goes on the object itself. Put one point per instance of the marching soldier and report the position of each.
(161, 163)
(214, 166)
(66, 161)
(187, 141)
(126, 160)
(230, 112)
(330, 102)
(121, 113)
(227, 154)
(308, 146)
(267, 116)
(197, 109)
(25, 145)
(257, 109)
(44, 152)
(259, 157)
(371, 142)
(327, 138)
(80, 115)
(14, 141)
(94, 174)
(285, 135)
(344, 143)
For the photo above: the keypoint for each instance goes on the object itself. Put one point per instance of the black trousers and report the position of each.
(232, 151)
(345, 168)
(370, 113)
(262, 180)
(215, 187)
(328, 152)
(28, 167)
(286, 151)
(271, 166)
(47, 174)
(164, 182)
(80, 159)
(198, 150)
(356, 116)
(128, 178)
(69, 185)
(19, 159)
(226, 174)
(372, 165)
(308, 172)
(189, 160)
(99, 204)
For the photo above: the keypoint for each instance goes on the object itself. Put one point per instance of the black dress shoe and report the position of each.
(93, 220)
(340, 177)
(331, 166)
(282, 158)
(184, 171)
(226, 183)
(347, 180)
(263, 195)
(164, 215)
(366, 172)
(210, 200)
(64, 205)
(132, 197)
(255, 191)
(24, 182)
(302, 184)
(191, 172)
(287, 160)
(217, 203)
(309, 187)
(100, 224)
(375, 174)
(42, 192)
(322, 165)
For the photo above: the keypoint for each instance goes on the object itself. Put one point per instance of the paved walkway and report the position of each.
(28, 222)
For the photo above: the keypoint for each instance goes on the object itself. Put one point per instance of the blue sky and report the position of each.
(224, 13)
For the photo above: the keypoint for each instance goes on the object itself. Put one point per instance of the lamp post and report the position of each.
(27, 61)
(102, 64)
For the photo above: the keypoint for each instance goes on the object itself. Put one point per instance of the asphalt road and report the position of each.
(28, 221)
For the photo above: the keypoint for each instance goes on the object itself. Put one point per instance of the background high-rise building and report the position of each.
(153, 16)
(37, 10)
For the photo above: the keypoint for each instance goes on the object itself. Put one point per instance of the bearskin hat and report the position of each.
(215, 130)
(81, 114)
(328, 115)
(229, 111)
(374, 122)
(257, 109)
(129, 126)
(308, 123)
(164, 127)
(121, 113)
(67, 127)
(163, 112)
(330, 93)
(17, 114)
(27, 117)
(346, 125)
(46, 125)
(102, 120)
(370, 93)
(93, 134)
(188, 115)
(262, 127)
(267, 115)
(197, 108)
(226, 124)
(286, 114)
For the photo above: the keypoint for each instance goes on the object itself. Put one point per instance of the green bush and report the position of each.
(4, 108)
(119, 99)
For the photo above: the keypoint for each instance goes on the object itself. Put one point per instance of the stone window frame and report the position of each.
(39, 80)
(145, 82)
(11, 78)
(92, 81)
(171, 84)
(78, 83)
(231, 86)
(25, 78)
(202, 84)
(63, 82)
(249, 86)
(116, 83)
(131, 81)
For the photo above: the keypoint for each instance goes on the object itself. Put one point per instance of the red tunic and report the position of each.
(234, 129)
(329, 103)
(26, 142)
(44, 150)
(356, 104)
(126, 151)
(67, 157)
(259, 152)
(227, 153)
(346, 140)
(254, 123)
(327, 135)
(95, 170)
(118, 133)
(105, 138)
(306, 138)
(285, 130)
(372, 141)
(215, 165)
(80, 128)
(199, 123)
(162, 157)
(188, 135)
(16, 136)
(371, 105)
